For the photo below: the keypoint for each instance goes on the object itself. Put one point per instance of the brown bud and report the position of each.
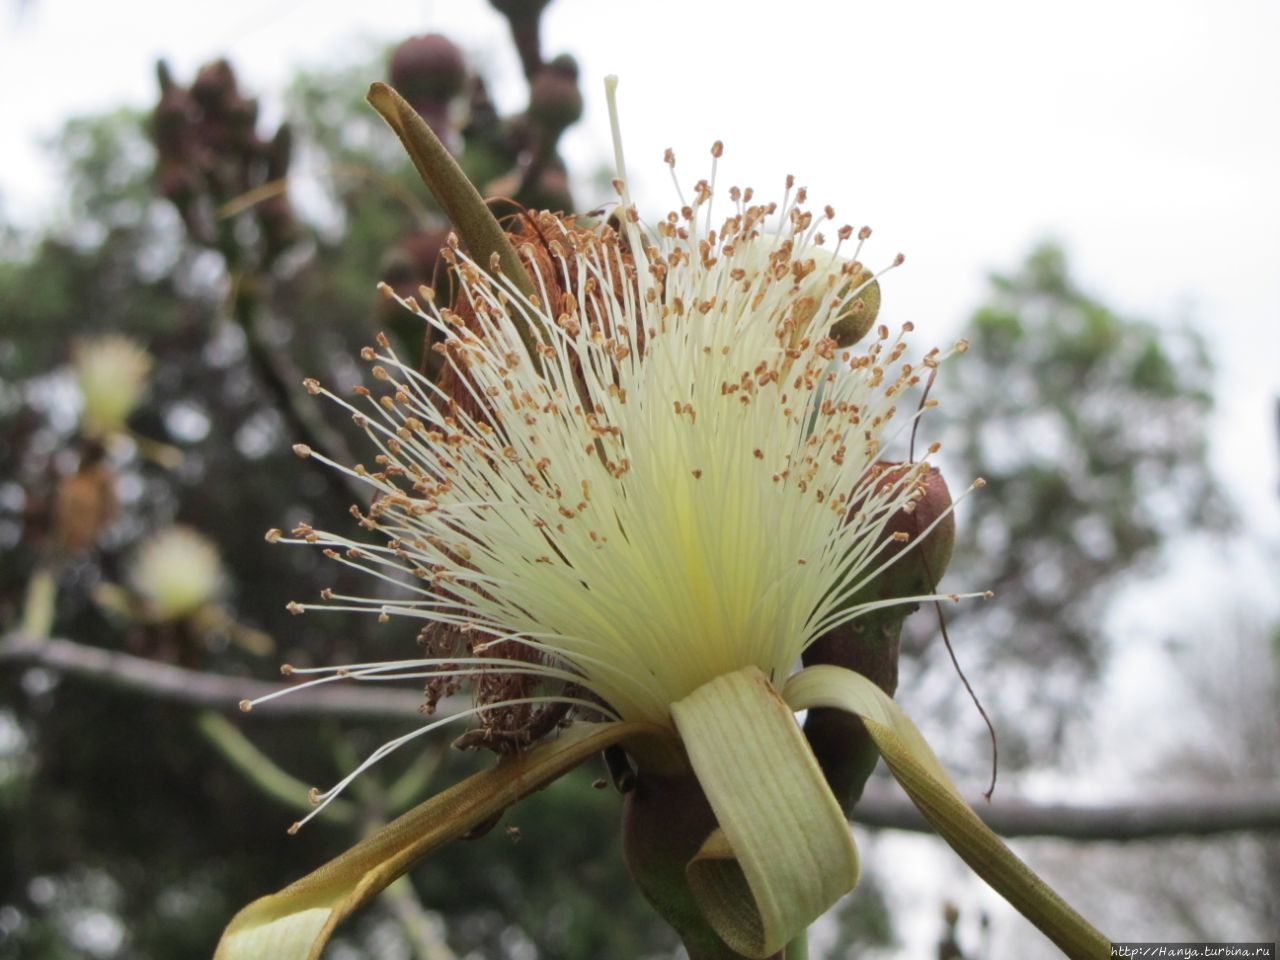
(241, 118)
(214, 86)
(280, 153)
(428, 69)
(925, 562)
(164, 76)
(85, 504)
(171, 123)
(524, 17)
(555, 102)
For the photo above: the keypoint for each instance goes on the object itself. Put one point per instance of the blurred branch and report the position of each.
(199, 689)
(1252, 809)
(1255, 809)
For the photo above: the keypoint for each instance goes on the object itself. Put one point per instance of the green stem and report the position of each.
(798, 949)
(40, 603)
(261, 770)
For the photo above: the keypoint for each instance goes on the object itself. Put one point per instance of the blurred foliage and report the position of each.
(1091, 431)
(243, 261)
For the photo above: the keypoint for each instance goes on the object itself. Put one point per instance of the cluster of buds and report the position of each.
(209, 155)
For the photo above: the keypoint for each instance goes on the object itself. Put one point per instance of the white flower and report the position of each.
(111, 372)
(664, 495)
(647, 479)
(176, 572)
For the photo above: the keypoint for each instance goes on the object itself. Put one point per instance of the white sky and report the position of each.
(1146, 135)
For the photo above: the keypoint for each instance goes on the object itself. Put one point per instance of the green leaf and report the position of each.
(296, 923)
(783, 853)
(922, 776)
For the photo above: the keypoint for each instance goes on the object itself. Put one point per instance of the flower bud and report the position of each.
(555, 102)
(176, 572)
(858, 316)
(85, 503)
(280, 153)
(524, 18)
(111, 372)
(215, 86)
(664, 823)
(924, 561)
(241, 119)
(172, 117)
(428, 70)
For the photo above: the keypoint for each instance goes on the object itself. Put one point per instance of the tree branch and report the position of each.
(199, 689)
(1254, 808)
(1242, 809)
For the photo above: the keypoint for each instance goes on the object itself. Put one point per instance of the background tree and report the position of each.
(1091, 431)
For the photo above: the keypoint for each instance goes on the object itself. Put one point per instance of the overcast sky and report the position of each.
(1144, 135)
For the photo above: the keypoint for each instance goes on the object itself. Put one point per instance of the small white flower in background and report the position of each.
(176, 572)
(111, 372)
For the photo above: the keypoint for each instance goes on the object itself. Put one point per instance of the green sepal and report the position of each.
(915, 766)
(297, 922)
(782, 853)
(458, 198)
